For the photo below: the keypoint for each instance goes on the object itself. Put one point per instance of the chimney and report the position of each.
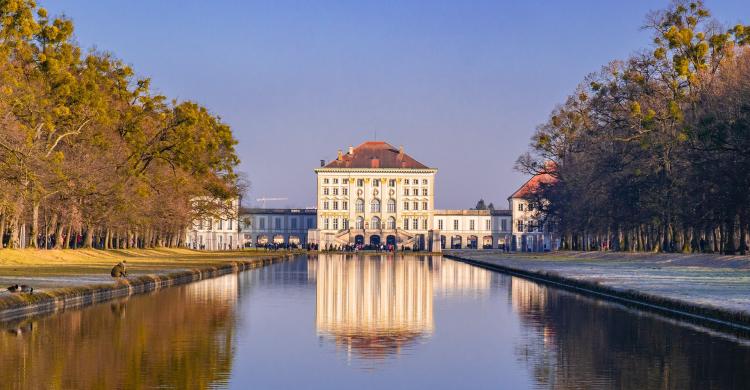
(322, 163)
(351, 149)
(339, 155)
(401, 152)
(375, 163)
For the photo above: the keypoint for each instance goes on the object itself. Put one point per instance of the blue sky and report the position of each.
(460, 84)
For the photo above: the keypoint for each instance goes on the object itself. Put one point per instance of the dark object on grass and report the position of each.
(27, 289)
(13, 288)
(119, 270)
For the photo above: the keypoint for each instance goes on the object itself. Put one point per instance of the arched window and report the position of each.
(360, 206)
(375, 223)
(360, 223)
(375, 206)
(391, 205)
(391, 222)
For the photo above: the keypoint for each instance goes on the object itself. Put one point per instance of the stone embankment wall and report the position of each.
(23, 305)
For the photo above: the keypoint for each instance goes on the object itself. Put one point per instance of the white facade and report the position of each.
(530, 233)
(219, 232)
(373, 206)
(477, 229)
(276, 226)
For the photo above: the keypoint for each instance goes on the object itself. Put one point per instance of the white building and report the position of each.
(531, 233)
(374, 194)
(377, 194)
(477, 229)
(278, 226)
(219, 232)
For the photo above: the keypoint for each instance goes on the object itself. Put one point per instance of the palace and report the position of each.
(376, 194)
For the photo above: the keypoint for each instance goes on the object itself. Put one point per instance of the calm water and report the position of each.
(366, 322)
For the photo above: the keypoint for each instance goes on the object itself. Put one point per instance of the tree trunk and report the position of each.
(34, 225)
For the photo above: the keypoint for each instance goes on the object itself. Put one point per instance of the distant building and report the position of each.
(477, 229)
(279, 226)
(218, 232)
(376, 194)
(531, 233)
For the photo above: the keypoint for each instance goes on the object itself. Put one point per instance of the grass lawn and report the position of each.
(82, 262)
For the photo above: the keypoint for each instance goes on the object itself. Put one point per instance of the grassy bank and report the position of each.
(13, 306)
(82, 262)
(711, 290)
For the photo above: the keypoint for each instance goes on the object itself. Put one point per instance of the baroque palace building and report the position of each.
(376, 194)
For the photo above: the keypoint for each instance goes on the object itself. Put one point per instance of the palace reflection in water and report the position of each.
(375, 305)
(413, 321)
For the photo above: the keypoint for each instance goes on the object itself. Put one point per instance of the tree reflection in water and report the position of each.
(571, 341)
(186, 343)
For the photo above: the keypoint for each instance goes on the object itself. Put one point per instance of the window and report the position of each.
(391, 206)
(406, 206)
(344, 205)
(360, 206)
(335, 205)
(487, 224)
(221, 224)
(375, 206)
(345, 181)
(294, 223)
(229, 224)
(406, 181)
(391, 223)
(335, 224)
(376, 182)
(504, 225)
(455, 224)
(424, 205)
(325, 205)
(310, 223)
(345, 223)
(325, 181)
(424, 224)
(360, 182)
(325, 190)
(262, 223)
(392, 183)
(520, 226)
(416, 206)
(200, 225)
(325, 223)
(360, 223)
(335, 181)
(406, 223)
(424, 191)
(415, 191)
(406, 192)
(277, 223)
(344, 191)
(375, 223)
(530, 207)
(424, 181)
(415, 224)
(520, 207)
(440, 224)
(335, 191)
(471, 224)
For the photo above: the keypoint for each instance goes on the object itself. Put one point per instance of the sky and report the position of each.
(461, 85)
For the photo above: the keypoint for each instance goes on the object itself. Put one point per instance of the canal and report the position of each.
(338, 321)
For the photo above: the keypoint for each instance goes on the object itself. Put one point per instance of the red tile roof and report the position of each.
(532, 185)
(375, 154)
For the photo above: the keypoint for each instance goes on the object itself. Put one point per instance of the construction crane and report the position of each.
(263, 201)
